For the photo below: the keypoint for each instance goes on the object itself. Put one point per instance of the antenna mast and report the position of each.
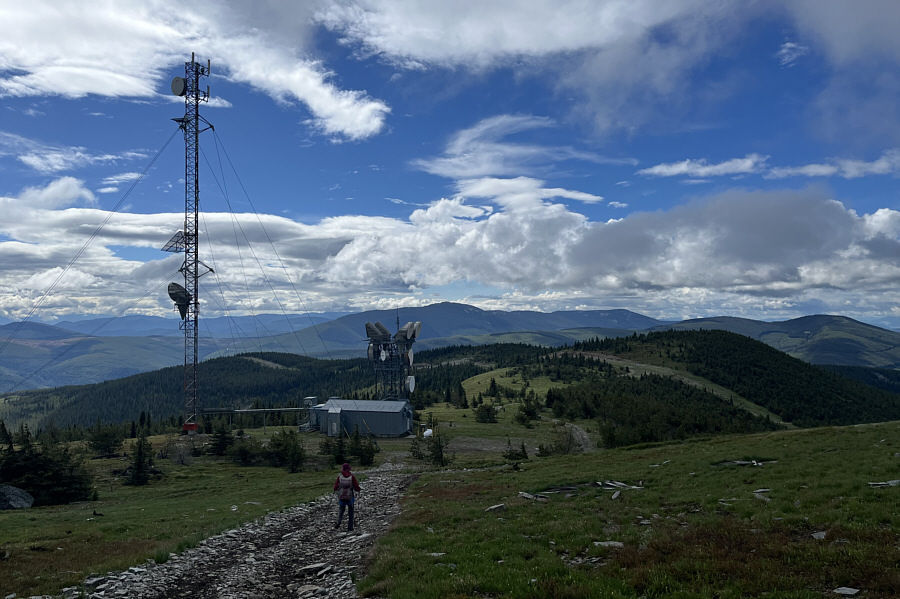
(186, 240)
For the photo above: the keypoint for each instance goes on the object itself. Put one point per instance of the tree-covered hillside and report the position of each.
(798, 392)
(265, 379)
(249, 380)
(629, 408)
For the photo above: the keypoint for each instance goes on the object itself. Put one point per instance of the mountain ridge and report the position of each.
(42, 355)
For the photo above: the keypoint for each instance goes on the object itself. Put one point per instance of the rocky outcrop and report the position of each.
(14, 498)
(295, 553)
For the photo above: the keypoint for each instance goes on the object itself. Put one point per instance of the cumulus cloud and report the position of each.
(762, 251)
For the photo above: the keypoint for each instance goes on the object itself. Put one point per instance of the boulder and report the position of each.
(14, 498)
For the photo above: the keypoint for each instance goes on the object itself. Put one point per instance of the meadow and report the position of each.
(789, 514)
(687, 519)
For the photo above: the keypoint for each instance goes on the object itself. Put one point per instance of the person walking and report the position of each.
(346, 486)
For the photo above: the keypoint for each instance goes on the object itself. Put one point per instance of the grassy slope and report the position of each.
(695, 529)
(706, 533)
(695, 543)
(58, 546)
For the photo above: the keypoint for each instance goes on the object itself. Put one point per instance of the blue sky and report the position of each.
(681, 159)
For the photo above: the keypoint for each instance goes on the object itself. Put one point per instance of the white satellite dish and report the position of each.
(371, 351)
(418, 328)
(409, 356)
(411, 383)
(383, 356)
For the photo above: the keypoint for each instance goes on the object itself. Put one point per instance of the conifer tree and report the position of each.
(143, 460)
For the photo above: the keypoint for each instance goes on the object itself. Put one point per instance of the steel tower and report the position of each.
(186, 240)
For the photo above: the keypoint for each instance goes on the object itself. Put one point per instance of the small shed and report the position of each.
(380, 418)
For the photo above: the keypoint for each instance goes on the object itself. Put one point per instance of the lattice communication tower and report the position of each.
(186, 297)
(392, 356)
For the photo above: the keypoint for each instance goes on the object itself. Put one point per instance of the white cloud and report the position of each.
(749, 253)
(606, 56)
(481, 34)
(118, 48)
(56, 159)
(751, 163)
(850, 32)
(790, 52)
(121, 178)
(628, 64)
(888, 163)
(59, 193)
(484, 150)
(521, 193)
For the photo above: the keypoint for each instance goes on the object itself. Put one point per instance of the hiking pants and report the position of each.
(349, 505)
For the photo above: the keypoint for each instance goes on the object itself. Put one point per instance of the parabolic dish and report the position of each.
(179, 86)
(181, 297)
(411, 383)
(385, 333)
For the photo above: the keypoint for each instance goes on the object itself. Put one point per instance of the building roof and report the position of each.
(363, 405)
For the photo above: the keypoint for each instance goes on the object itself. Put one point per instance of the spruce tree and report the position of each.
(143, 459)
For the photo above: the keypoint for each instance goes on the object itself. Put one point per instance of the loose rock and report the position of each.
(277, 556)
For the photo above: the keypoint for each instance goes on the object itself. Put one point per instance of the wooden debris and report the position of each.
(610, 544)
(612, 485)
(745, 463)
(887, 483)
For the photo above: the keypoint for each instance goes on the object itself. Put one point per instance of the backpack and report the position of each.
(345, 487)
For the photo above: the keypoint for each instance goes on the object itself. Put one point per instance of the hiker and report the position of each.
(345, 485)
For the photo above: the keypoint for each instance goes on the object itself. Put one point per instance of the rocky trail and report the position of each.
(295, 553)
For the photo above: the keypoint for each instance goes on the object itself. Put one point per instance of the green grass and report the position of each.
(506, 377)
(57, 546)
(476, 444)
(695, 529)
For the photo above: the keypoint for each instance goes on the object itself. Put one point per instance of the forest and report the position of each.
(798, 392)
(582, 385)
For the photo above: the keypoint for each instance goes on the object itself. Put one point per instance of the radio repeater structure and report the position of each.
(392, 356)
(186, 240)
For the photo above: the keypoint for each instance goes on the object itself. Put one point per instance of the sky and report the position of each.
(681, 159)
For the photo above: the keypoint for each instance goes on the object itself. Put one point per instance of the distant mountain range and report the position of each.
(39, 355)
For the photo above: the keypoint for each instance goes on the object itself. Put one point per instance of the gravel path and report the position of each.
(294, 553)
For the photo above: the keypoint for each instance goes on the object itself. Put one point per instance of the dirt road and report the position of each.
(295, 553)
